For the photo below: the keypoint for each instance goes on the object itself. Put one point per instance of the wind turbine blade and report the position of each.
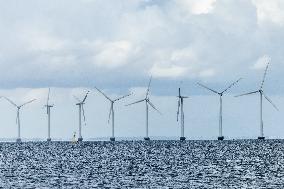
(77, 98)
(103, 94)
(152, 105)
(122, 97)
(27, 103)
(207, 88)
(135, 102)
(230, 86)
(148, 89)
(109, 114)
(48, 96)
(269, 100)
(84, 117)
(264, 75)
(10, 101)
(178, 109)
(247, 93)
(85, 97)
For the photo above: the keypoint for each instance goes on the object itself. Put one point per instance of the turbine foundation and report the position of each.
(221, 138)
(18, 140)
(182, 138)
(80, 139)
(146, 138)
(261, 138)
(112, 138)
(48, 140)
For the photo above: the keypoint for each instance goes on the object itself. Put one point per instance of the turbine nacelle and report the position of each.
(81, 103)
(49, 105)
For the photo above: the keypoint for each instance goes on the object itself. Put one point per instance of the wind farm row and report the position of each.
(180, 115)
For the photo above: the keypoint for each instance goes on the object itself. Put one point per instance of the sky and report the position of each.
(72, 46)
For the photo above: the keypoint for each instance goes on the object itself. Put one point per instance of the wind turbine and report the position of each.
(220, 137)
(48, 106)
(147, 103)
(261, 94)
(18, 115)
(80, 104)
(180, 111)
(111, 111)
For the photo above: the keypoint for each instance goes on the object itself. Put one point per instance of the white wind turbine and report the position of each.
(220, 137)
(180, 111)
(111, 111)
(261, 94)
(147, 103)
(80, 104)
(18, 115)
(48, 106)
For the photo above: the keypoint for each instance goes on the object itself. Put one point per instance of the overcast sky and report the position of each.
(74, 45)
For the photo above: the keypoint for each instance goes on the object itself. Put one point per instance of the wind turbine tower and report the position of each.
(261, 95)
(181, 112)
(18, 122)
(48, 107)
(80, 104)
(220, 137)
(147, 103)
(111, 111)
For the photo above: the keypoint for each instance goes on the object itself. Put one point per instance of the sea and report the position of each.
(143, 164)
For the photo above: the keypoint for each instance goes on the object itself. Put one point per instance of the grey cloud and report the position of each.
(112, 43)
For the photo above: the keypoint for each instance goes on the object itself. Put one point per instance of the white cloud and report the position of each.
(197, 6)
(172, 71)
(271, 11)
(261, 62)
(114, 54)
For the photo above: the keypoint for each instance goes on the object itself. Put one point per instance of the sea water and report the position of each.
(139, 164)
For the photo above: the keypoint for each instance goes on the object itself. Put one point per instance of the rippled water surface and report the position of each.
(154, 164)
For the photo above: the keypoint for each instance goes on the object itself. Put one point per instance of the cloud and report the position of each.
(171, 71)
(270, 11)
(197, 6)
(122, 42)
(261, 62)
(35, 40)
(114, 54)
(207, 73)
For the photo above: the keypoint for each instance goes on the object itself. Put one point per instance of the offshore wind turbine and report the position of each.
(111, 111)
(261, 95)
(147, 103)
(18, 115)
(80, 104)
(220, 137)
(48, 106)
(181, 112)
